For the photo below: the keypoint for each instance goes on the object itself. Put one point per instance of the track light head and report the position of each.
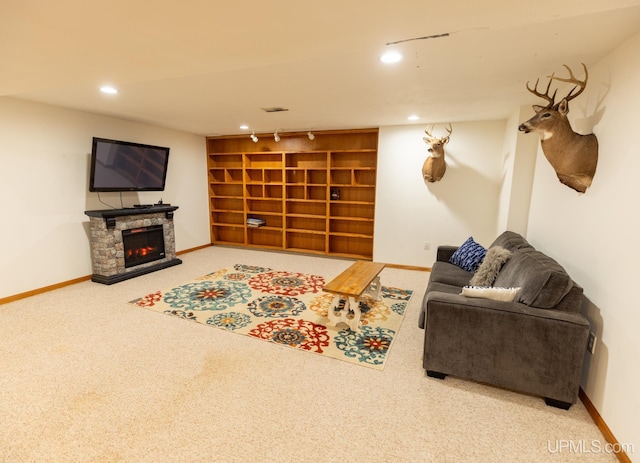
(253, 137)
(276, 137)
(310, 135)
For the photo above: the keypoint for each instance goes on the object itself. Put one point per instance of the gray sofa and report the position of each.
(535, 344)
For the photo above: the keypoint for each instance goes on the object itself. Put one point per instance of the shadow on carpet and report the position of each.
(285, 308)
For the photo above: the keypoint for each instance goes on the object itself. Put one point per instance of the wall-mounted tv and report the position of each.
(126, 166)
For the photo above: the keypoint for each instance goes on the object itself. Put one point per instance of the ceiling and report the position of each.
(206, 67)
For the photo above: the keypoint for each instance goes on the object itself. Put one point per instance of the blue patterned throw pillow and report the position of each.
(469, 255)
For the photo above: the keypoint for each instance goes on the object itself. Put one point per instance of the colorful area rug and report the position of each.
(286, 308)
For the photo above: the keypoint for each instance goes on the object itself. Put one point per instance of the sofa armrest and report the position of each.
(507, 344)
(445, 252)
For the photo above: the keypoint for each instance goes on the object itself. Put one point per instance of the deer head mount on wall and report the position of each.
(434, 166)
(573, 156)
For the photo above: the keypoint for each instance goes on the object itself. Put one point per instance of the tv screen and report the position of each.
(125, 166)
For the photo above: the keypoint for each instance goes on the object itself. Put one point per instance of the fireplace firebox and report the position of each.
(142, 245)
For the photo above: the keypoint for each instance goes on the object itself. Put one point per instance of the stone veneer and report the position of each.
(107, 248)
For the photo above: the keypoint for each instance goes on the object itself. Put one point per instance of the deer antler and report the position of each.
(430, 128)
(550, 98)
(428, 131)
(449, 130)
(581, 84)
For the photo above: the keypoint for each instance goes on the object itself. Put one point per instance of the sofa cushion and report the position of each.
(443, 288)
(469, 255)
(490, 266)
(511, 241)
(543, 281)
(444, 272)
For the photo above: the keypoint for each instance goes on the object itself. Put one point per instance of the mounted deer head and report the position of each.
(573, 156)
(434, 166)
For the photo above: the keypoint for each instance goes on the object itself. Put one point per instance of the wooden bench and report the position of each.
(362, 277)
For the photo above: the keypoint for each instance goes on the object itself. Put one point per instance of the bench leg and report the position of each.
(335, 312)
(374, 288)
(354, 323)
(349, 313)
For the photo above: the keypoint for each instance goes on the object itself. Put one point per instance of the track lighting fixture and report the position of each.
(310, 135)
(276, 137)
(253, 137)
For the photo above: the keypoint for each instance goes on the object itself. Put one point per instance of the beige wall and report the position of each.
(44, 158)
(465, 202)
(595, 236)
(518, 167)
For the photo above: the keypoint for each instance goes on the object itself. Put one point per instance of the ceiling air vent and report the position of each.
(275, 109)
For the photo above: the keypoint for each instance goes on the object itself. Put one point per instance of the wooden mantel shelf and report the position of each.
(109, 215)
(131, 211)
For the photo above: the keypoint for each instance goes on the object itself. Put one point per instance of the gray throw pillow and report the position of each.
(490, 266)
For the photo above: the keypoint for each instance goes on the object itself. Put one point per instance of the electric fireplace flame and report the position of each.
(142, 245)
(140, 252)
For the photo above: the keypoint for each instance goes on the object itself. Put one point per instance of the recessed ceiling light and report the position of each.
(391, 57)
(244, 127)
(108, 89)
(413, 117)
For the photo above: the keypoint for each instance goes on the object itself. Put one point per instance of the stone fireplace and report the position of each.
(126, 243)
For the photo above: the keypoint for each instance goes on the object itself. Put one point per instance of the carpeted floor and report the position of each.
(87, 377)
(287, 308)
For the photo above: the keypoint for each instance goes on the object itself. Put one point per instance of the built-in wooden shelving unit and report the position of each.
(313, 196)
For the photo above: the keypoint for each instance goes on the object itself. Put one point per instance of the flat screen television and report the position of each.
(126, 166)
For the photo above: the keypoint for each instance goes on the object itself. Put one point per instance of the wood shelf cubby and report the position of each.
(291, 186)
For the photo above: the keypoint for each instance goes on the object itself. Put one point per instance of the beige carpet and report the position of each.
(87, 377)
